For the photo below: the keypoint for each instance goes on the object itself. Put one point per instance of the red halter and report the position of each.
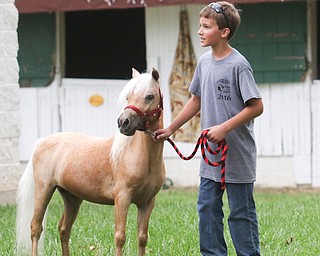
(145, 115)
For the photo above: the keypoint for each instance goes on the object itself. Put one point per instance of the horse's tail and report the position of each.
(25, 207)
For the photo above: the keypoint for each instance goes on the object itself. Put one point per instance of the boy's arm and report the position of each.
(189, 110)
(254, 108)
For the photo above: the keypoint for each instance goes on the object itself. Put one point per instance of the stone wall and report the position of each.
(9, 102)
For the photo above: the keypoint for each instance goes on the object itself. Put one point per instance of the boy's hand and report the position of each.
(216, 134)
(162, 134)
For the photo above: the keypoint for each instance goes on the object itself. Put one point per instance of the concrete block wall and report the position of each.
(9, 102)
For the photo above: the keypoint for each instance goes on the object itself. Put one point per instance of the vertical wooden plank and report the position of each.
(315, 92)
(302, 136)
(276, 107)
(287, 120)
(47, 110)
(302, 133)
(29, 122)
(262, 124)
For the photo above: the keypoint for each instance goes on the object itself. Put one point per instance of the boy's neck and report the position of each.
(220, 52)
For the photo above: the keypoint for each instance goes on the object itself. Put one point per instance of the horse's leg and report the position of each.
(144, 212)
(43, 195)
(71, 208)
(121, 207)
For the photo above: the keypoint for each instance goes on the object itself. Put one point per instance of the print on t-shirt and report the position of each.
(224, 89)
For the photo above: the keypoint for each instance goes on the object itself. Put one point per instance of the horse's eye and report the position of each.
(150, 97)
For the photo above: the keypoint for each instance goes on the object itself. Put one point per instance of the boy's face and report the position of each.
(209, 32)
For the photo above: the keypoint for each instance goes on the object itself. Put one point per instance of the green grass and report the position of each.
(289, 225)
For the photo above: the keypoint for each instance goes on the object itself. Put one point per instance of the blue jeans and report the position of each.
(242, 221)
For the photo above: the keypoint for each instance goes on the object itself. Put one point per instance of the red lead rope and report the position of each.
(203, 142)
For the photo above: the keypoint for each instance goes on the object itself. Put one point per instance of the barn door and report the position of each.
(90, 105)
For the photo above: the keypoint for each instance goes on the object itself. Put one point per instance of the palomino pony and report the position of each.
(117, 171)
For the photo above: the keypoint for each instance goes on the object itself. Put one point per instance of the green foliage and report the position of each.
(289, 225)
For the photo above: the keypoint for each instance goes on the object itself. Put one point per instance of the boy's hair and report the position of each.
(230, 18)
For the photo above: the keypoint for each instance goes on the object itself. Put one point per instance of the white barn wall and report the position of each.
(284, 129)
(316, 134)
(77, 114)
(39, 116)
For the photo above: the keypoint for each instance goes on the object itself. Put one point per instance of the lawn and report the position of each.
(289, 225)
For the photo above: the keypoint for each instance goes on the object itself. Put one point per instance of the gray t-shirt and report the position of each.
(224, 86)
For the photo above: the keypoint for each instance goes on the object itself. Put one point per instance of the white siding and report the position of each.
(39, 116)
(77, 114)
(316, 134)
(285, 121)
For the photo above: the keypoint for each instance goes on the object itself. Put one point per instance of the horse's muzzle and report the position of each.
(128, 124)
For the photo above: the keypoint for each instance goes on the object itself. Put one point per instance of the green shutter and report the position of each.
(36, 35)
(272, 36)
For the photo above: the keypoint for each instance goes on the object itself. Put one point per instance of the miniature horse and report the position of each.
(120, 170)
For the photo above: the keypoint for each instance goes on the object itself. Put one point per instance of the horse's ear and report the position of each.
(135, 72)
(155, 74)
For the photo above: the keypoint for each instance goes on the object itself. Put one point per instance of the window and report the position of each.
(36, 56)
(105, 43)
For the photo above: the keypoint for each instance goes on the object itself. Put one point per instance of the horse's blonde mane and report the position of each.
(118, 146)
(137, 84)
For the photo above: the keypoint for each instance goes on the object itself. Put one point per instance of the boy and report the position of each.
(224, 89)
